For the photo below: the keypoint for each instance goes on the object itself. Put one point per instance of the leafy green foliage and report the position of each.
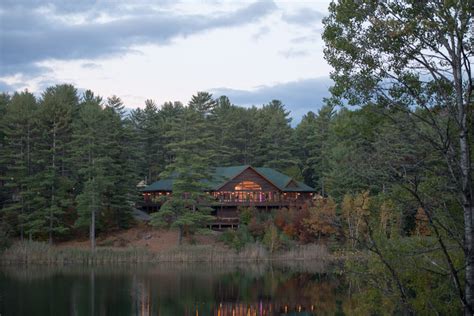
(237, 239)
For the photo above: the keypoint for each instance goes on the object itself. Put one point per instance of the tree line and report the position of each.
(65, 155)
(70, 163)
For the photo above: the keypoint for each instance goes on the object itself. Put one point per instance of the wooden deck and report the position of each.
(225, 222)
(285, 203)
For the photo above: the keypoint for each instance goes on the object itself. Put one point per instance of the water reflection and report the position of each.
(171, 289)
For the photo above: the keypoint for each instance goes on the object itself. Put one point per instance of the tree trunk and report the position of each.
(468, 225)
(22, 223)
(92, 232)
(22, 203)
(468, 216)
(466, 177)
(51, 218)
(52, 186)
(92, 229)
(92, 206)
(28, 173)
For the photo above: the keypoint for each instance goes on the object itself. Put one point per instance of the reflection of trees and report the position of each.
(168, 290)
(317, 292)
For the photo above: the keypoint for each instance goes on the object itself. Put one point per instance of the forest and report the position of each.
(65, 155)
(390, 153)
(63, 151)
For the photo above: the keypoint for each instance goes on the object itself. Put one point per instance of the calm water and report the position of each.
(172, 290)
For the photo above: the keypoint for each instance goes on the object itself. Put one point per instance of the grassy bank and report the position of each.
(42, 253)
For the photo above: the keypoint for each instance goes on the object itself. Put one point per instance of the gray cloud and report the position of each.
(303, 17)
(91, 66)
(294, 53)
(86, 6)
(313, 38)
(264, 30)
(29, 36)
(299, 96)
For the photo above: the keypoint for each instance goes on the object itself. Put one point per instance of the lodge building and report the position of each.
(237, 186)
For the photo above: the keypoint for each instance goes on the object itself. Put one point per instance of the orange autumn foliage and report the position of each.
(322, 218)
(422, 223)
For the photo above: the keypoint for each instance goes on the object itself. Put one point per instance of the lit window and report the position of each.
(248, 186)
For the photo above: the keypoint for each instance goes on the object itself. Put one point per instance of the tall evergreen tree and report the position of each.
(319, 151)
(57, 107)
(351, 156)
(229, 133)
(274, 148)
(203, 103)
(20, 131)
(167, 115)
(304, 137)
(92, 163)
(118, 195)
(148, 132)
(4, 101)
(187, 208)
(251, 136)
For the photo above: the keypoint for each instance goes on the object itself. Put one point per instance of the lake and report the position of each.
(173, 289)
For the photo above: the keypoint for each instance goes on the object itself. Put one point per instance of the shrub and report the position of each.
(244, 234)
(303, 235)
(227, 236)
(237, 239)
(246, 214)
(271, 239)
(282, 218)
(286, 242)
(256, 228)
(321, 220)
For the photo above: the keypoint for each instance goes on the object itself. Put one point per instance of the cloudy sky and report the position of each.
(251, 51)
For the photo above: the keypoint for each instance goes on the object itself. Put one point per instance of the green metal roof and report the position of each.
(160, 185)
(282, 180)
(222, 175)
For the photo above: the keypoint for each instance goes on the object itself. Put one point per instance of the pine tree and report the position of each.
(274, 132)
(228, 126)
(120, 173)
(303, 137)
(167, 115)
(57, 107)
(4, 101)
(312, 136)
(203, 103)
(149, 130)
(188, 207)
(251, 136)
(19, 127)
(92, 163)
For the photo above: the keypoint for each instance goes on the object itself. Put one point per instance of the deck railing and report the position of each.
(280, 203)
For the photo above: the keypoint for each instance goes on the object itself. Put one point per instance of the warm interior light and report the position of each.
(248, 186)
